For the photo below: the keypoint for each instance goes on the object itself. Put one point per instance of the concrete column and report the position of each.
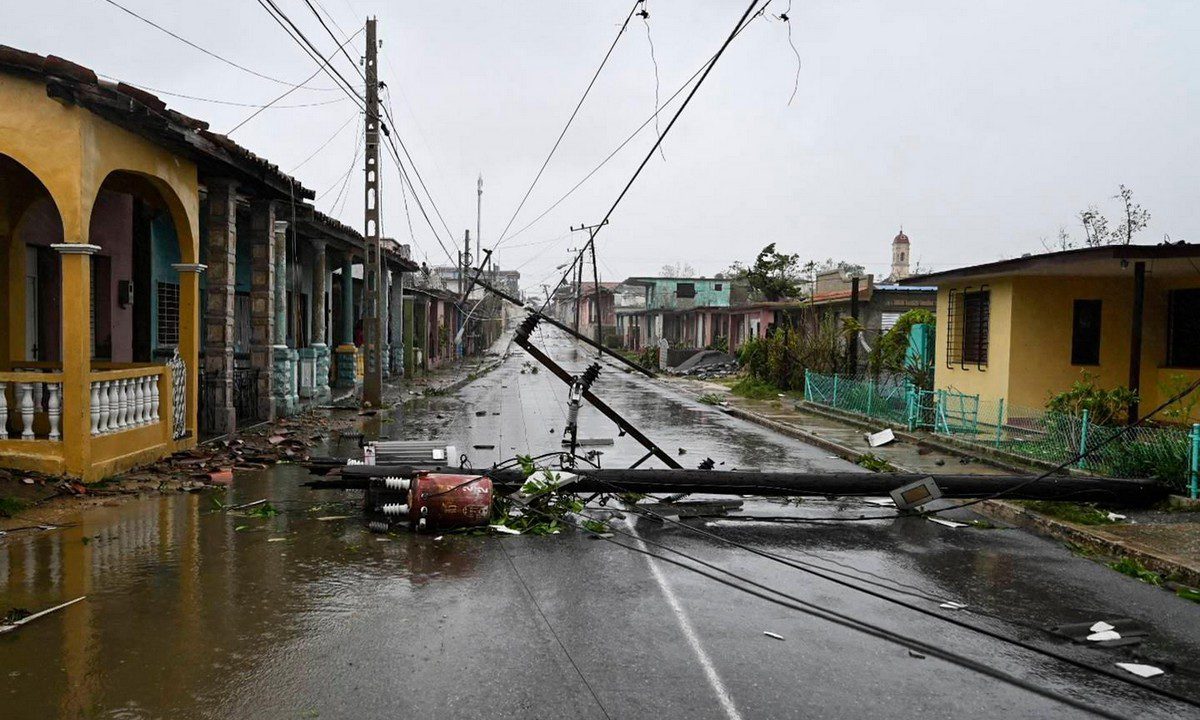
(285, 359)
(319, 346)
(395, 321)
(221, 243)
(262, 303)
(385, 279)
(189, 337)
(76, 358)
(347, 353)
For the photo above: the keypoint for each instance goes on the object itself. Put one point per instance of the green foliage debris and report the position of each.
(1135, 569)
(710, 399)
(10, 507)
(874, 463)
(1078, 513)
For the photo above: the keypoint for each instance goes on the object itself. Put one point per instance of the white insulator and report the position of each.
(377, 526)
(397, 483)
(352, 461)
(394, 509)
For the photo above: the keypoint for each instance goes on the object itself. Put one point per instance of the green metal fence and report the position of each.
(1169, 453)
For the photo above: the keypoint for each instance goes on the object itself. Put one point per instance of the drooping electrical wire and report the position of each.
(325, 144)
(206, 51)
(623, 144)
(567, 126)
(645, 15)
(284, 94)
(781, 598)
(830, 576)
(215, 101)
(786, 18)
(750, 9)
(289, 26)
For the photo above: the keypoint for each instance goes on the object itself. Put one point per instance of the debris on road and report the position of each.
(17, 617)
(947, 523)
(883, 437)
(1142, 671)
(951, 605)
(770, 634)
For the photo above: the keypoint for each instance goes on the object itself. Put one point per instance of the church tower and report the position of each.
(900, 256)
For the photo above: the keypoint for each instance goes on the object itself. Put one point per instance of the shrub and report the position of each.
(1104, 407)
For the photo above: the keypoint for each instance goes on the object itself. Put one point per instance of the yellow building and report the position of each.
(1022, 329)
(117, 215)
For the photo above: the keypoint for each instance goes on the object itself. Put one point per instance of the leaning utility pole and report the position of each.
(595, 277)
(373, 268)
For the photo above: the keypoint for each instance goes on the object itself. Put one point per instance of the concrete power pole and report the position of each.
(373, 268)
(479, 219)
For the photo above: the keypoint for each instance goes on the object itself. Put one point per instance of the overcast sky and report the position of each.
(982, 127)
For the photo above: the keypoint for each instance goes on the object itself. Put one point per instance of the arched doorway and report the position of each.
(135, 304)
(30, 311)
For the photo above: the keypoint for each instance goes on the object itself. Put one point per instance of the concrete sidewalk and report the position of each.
(1166, 542)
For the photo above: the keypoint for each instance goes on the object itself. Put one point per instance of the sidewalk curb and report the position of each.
(1091, 538)
(842, 451)
(983, 455)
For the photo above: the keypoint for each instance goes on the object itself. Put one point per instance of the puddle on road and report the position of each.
(180, 603)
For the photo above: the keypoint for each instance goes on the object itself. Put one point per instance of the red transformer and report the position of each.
(435, 501)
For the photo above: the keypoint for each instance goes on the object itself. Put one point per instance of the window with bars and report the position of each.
(968, 322)
(168, 314)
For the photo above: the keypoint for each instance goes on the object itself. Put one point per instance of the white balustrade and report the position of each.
(31, 396)
(125, 403)
(54, 409)
(25, 390)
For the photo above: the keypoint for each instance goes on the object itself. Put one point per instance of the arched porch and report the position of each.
(96, 330)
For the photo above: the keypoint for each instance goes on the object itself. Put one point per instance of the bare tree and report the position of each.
(1095, 225)
(677, 269)
(1136, 218)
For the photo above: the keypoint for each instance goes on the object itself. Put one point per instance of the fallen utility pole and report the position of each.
(562, 326)
(521, 337)
(793, 484)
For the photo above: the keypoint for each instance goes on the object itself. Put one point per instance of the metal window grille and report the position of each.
(953, 329)
(976, 318)
(168, 314)
(967, 324)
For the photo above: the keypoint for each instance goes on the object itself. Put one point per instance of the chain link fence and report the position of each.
(1171, 454)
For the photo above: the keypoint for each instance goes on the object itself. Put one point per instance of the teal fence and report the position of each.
(1169, 453)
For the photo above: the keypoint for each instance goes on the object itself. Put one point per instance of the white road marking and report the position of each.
(710, 671)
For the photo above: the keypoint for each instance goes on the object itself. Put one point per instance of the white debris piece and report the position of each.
(1104, 635)
(883, 437)
(951, 605)
(1101, 627)
(505, 530)
(880, 501)
(770, 634)
(1144, 671)
(947, 523)
(1114, 517)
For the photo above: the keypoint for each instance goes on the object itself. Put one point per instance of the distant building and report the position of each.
(901, 256)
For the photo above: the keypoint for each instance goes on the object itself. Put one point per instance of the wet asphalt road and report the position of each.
(194, 613)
